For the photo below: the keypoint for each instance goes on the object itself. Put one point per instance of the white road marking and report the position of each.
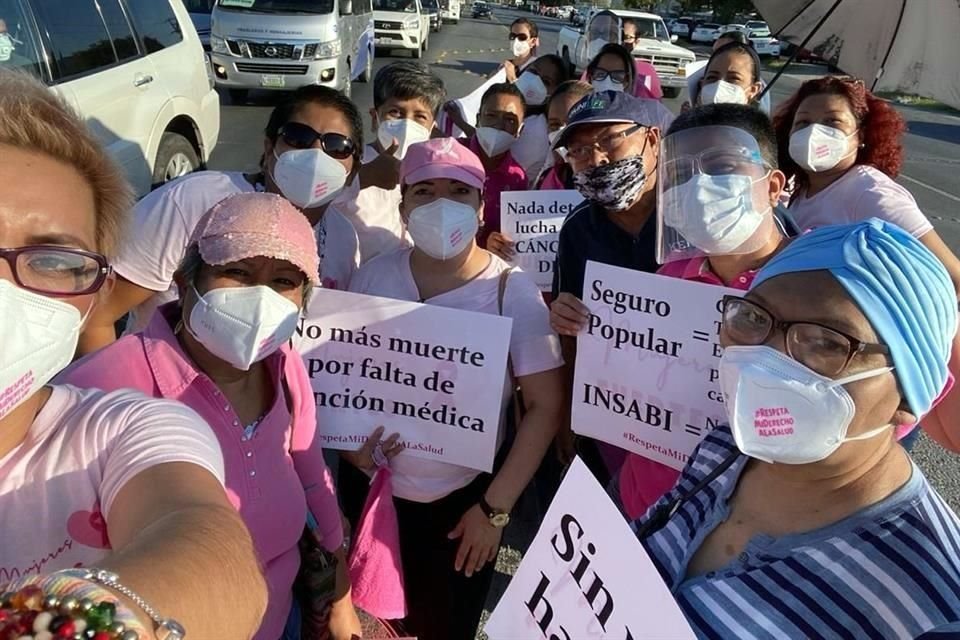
(930, 187)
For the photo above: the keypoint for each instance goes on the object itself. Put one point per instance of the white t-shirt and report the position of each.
(863, 192)
(534, 348)
(83, 447)
(375, 214)
(163, 223)
(160, 231)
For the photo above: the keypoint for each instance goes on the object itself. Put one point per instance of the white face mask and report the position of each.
(494, 141)
(242, 325)
(443, 228)
(532, 87)
(520, 48)
(607, 84)
(715, 214)
(780, 411)
(553, 136)
(405, 132)
(308, 177)
(722, 91)
(39, 339)
(819, 147)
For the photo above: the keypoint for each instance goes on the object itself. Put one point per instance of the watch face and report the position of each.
(500, 520)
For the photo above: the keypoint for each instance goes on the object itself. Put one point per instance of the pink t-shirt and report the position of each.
(643, 481)
(58, 485)
(863, 192)
(267, 466)
(507, 176)
(534, 348)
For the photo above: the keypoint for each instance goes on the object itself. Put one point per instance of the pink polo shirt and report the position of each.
(508, 176)
(643, 481)
(266, 470)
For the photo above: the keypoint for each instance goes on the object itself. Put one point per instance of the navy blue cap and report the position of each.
(607, 107)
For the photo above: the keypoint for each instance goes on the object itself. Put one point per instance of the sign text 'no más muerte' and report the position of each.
(432, 374)
(647, 376)
(532, 220)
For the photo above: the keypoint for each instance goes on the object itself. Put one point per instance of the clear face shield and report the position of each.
(605, 28)
(712, 195)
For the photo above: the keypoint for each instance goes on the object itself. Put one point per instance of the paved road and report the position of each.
(463, 54)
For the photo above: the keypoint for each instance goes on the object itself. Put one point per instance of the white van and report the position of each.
(134, 69)
(402, 24)
(286, 44)
(450, 11)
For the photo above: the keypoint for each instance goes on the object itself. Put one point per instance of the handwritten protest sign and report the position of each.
(646, 376)
(586, 575)
(532, 220)
(429, 373)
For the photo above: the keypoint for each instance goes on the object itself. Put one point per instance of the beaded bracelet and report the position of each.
(63, 611)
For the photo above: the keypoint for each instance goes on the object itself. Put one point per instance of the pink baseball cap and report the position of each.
(250, 225)
(442, 158)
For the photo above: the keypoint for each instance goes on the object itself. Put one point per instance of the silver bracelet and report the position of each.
(164, 628)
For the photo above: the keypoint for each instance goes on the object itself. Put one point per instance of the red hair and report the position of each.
(880, 125)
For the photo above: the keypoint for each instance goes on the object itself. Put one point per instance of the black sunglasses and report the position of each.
(300, 136)
(519, 36)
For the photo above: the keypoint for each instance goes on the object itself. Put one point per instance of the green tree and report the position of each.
(725, 11)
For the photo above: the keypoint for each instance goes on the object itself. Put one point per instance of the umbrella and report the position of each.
(907, 46)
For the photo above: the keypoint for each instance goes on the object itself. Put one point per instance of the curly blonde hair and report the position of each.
(34, 119)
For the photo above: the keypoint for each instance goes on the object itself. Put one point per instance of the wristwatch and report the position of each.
(498, 519)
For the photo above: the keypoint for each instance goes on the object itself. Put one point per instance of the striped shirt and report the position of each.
(891, 570)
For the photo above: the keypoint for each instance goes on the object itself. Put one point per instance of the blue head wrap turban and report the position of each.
(899, 285)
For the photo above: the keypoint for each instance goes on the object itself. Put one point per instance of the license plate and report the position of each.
(272, 82)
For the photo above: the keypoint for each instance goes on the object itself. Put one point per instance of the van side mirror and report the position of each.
(346, 7)
(674, 38)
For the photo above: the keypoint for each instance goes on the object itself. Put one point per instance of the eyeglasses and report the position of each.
(57, 271)
(712, 162)
(817, 347)
(300, 136)
(606, 144)
(626, 37)
(522, 37)
(619, 77)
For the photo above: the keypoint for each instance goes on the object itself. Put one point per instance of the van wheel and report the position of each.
(238, 96)
(176, 157)
(671, 92)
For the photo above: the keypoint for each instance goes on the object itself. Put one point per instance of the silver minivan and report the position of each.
(285, 44)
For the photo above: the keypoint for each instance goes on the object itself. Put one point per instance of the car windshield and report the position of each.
(406, 6)
(430, 4)
(709, 25)
(280, 6)
(652, 29)
(758, 26)
(198, 6)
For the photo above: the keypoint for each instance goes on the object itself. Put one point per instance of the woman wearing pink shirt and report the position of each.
(223, 351)
(450, 517)
(113, 482)
(718, 184)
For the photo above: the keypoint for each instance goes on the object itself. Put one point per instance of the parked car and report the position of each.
(654, 45)
(432, 9)
(805, 55)
(683, 27)
(481, 10)
(450, 11)
(142, 84)
(707, 32)
(727, 28)
(401, 24)
(256, 46)
(758, 28)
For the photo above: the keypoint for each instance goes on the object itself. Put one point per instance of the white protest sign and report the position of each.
(585, 576)
(532, 220)
(646, 377)
(469, 106)
(432, 374)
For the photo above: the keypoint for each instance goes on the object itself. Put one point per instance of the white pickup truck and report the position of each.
(654, 45)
